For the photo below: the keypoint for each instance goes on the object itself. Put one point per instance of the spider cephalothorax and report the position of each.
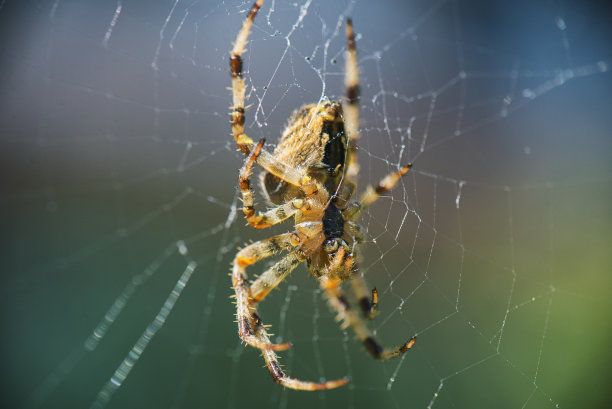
(311, 176)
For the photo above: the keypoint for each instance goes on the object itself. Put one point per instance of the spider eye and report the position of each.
(330, 246)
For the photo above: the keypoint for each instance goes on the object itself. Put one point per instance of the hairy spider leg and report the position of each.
(296, 177)
(368, 305)
(358, 284)
(339, 302)
(273, 276)
(244, 143)
(246, 315)
(372, 194)
(350, 106)
(281, 378)
(250, 327)
(259, 289)
(351, 125)
(272, 216)
(256, 334)
(316, 195)
(238, 85)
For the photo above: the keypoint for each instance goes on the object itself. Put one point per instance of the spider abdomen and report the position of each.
(315, 142)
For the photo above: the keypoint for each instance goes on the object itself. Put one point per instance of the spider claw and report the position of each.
(337, 383)
(408, 345)
(405, 169)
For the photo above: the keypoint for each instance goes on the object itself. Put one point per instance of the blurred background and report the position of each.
(122, 212)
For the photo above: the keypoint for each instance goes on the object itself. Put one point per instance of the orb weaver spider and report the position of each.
(311, 177)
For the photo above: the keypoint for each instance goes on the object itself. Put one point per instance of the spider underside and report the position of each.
(311, 176)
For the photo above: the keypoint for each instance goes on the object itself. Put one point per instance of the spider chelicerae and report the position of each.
(311, 177)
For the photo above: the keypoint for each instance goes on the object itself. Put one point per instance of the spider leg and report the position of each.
(291, 175)
(281, 378)
(250, 327)
(246, 144)
(360, 288)
(273, 276)
(272, 216)
(372, 194)
(368, 304)
(339, 302)
(238, 85)
(248, 320)
(350, 105)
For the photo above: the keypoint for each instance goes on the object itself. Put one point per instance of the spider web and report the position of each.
(123, 213)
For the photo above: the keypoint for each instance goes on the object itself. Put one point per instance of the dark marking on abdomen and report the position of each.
(334, 153)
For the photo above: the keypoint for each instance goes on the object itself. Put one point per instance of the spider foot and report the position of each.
(281, 378)
(379, 352)
(311, 386)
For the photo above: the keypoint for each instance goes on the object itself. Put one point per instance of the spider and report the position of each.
(311, 177)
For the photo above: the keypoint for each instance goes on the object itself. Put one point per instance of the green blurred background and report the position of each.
(495, 250)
